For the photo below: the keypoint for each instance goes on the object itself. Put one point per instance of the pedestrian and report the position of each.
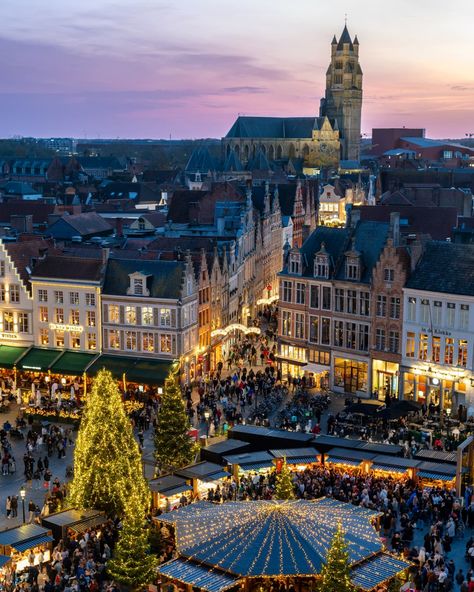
(31, 511)
(14, 506)
(8, 507)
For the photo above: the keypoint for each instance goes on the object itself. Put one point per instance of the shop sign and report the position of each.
(8, 336)
(436, 331)
(66, 328)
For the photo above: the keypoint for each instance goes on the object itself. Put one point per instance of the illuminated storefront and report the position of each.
(292, 360)
(446, 387)
(385, 378)
(350, 375)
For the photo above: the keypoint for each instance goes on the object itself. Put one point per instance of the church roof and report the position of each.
(272, 127)
(232, 163)
(200, 160)
(345, 38)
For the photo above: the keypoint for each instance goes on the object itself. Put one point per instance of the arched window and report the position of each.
(291, 151)
(279, 152)
(271, 153)
(246, 151)
(305, 151)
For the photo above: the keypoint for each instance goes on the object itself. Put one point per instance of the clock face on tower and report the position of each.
(323, 147)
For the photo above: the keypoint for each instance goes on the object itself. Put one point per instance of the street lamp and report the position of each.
(23, 495)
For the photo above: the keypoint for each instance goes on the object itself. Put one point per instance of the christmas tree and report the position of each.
(107, 461)
(336, 574)
(284, 489)
(132, 563)
(173, 446)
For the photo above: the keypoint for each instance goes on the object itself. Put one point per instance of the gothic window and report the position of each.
(305, 151)
(279, 152)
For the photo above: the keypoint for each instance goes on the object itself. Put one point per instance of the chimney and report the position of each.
(353, 217)
(105, 256)
(119, 227)
(395, 228)
(416, 251)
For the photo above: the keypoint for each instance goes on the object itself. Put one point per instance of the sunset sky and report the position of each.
(151, 68)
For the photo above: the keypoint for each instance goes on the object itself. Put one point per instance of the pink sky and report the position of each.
(151, 68)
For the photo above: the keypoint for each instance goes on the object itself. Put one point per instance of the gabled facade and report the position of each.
(16, 303)
(149, 309)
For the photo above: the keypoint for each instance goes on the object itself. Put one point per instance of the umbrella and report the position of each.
(399, 409)
(368, 408)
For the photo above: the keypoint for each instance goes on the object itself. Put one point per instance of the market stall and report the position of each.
(250, 462)
(168, 491)
(29, 544)
(297, 459)
(203, 476)
(61, 523)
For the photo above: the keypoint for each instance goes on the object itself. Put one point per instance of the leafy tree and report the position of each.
(173, 446)
(107, 461)
(132, 563)
(284, 488)
(336, 573)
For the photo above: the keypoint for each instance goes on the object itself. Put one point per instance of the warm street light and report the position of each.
(23, 495)
(206, 415)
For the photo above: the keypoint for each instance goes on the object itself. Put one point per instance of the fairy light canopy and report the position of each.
(271, 538)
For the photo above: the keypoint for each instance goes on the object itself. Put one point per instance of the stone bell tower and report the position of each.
(343, 99)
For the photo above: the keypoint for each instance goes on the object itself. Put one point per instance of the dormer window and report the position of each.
(352, 268)
(321, 266)
(295, 263)
(138, 284)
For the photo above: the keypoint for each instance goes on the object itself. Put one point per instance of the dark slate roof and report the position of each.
(272, 127)
(39, 210)
(232, 163)
(164, 277)
(335, 241)
(445, 267)
(200, 161)
(69, 268)
(99, 162)
(259, 163)
(19, 188)
(85, 224)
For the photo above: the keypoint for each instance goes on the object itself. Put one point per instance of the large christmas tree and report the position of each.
(336, 573)
(173, 446)
(284, 488)
(132, 563)
(107, 461)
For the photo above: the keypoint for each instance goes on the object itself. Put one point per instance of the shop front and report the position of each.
(318, 367)
(385, 379)
(203, 476)
(292, 361)
(25, 545)
(436, 386)
(168, 491)
(351, 376)
(135, 372)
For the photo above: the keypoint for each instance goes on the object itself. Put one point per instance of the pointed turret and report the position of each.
(345, 39)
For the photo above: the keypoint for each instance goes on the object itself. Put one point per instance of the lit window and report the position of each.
(131, 315)
(91, 318)
(165, 317)
(59, 339)
(114, 339)
(114, 313)
(147, 315)
(8, 321)
(74, 298)
(75, 340)
(91, 341)
(43, 314)
(44, 337)
(58, 297)
(74, 315)
(165, 344)
(23, 322)
(148, 342)
(90, 299)
(131, 340)
(14, 293)
(59, 315)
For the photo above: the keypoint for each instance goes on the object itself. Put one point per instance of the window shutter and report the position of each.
(173, 317)
(106, 313)
(122, 315)
(156, 320)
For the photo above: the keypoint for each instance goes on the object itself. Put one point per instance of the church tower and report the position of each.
(343, 100)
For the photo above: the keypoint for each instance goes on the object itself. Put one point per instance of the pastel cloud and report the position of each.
(149, 68)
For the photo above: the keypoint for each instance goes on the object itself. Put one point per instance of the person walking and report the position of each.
(31, 511)
(8, 507)
(14, 506)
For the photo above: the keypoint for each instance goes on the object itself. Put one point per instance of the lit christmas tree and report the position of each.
(173, 446)
(132, 563)
(336, 573)
(107, 461)
(284, 488)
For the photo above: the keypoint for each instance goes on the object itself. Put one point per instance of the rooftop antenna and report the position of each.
(345, 18)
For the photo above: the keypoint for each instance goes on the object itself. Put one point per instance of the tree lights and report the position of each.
(107, 462)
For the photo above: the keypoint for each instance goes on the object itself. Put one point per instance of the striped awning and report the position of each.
(31, 543)
(388, 469)
(342, 461)
(301, 460)
(4, 559)
(92, 522)
(197, 575)
(435, 476)
(215, 476)
(256, 466)
(376, 570)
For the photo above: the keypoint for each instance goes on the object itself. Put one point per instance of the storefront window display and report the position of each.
(350, 375)
(385, 379)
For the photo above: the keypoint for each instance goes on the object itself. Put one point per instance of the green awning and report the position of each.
(10, 354)
(151, 372)
(39, 359)
(72, 363)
